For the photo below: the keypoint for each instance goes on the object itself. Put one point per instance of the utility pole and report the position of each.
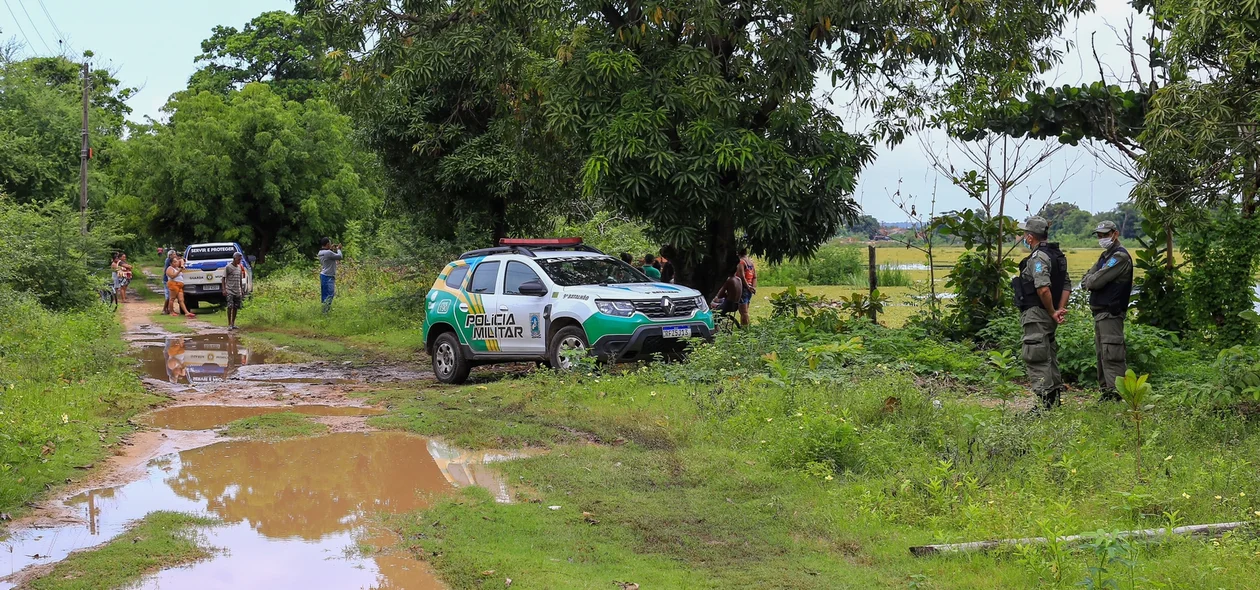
(83, 156)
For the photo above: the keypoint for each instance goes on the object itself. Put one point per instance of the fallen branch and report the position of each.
(1209, 530)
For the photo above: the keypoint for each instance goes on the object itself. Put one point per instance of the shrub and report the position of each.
(819, 443)
(831, 265)
(47, 257)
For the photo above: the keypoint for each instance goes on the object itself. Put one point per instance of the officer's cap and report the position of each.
(1035, 225)
(1105, 227)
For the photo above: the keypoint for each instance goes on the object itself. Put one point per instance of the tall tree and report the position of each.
(277, 47)
(701, 117)
(41, 102)
(248, 167)
(447, 95)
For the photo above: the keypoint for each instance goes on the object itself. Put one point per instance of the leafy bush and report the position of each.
(816, 442)
(1150, 349)
(831, 265)
(47, 257)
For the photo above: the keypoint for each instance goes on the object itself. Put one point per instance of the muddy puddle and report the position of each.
(194, 359)
(293, 512)
(207, 417)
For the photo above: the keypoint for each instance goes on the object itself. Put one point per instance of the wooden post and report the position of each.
(874, 277)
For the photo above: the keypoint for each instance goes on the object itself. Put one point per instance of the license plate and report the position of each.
(210, 287)
(676, 331)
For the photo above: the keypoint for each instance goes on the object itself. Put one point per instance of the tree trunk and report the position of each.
(264, 247)
(498, 219)
(707, 271)
(1171, 262)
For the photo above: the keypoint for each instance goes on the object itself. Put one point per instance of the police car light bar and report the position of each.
(535, 242)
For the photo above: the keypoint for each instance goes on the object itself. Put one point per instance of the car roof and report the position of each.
(545, 254)
(212, 244)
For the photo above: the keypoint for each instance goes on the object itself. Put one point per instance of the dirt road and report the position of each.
(295, 513)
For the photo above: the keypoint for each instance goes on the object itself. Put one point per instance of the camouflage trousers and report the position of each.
(1041, 355)
(1109, 346)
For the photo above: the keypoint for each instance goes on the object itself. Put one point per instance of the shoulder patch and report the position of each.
(1112, 262)
(1038, 267)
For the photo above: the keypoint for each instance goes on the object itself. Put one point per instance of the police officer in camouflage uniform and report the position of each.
(1109, 282)
(1041, 292)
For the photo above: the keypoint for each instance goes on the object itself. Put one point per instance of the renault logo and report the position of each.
(667, 306)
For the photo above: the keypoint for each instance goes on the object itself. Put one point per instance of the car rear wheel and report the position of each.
(568, 345)
(449, 364)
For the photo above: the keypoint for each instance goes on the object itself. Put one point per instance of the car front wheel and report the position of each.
(568, 345)
(449, 364)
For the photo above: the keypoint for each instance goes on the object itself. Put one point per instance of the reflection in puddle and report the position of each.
(193, 359)
(293, 511)
(208, 417)
(469, 468)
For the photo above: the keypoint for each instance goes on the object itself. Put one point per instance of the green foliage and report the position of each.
(611, 234)
(41, 101)
(275, 47)
(248, 167)
(1223, 253)
(830, 265)
(274, 426)
(1139, 400)
(1071, 113)
(447, 96)
(1161, 302)
(48, 258)
(158, 541)
(861, 305)
(1237, 371)
(980, 286)
(66, 392)
(808, 313)
(1149, 349)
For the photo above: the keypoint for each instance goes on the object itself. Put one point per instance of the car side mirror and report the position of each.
(252, 259)
(533, 288)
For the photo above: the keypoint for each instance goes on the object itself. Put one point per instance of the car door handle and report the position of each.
(503, 308)
(463, 307)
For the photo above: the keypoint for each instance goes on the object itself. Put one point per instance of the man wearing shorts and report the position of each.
(233, 288)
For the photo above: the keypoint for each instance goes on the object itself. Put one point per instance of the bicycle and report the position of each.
(109, 296)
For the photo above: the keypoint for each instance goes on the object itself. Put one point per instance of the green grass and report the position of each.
(158, 541)
(717, 474)
(274, 426)
(66, 393)
(363, 325)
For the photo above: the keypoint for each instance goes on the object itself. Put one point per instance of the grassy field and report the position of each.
(717, 473)
(66, 394)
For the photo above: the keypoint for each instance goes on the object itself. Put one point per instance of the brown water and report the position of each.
(194, 359)
(207, 417)
(293, 512)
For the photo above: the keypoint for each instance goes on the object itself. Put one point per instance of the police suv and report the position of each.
(549, 300)
(203, 271)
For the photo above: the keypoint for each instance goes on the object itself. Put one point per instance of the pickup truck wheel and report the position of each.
(192, 302)
(449, 364)
(567, 346)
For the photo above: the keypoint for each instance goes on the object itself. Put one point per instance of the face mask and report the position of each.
(1106, 242)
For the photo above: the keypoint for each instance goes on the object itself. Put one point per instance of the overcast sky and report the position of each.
(151, 44)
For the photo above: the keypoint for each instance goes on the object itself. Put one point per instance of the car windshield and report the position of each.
(571, 272)
(211, 252)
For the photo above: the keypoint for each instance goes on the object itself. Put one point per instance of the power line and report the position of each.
(19, 24)
(60, 36)
(32, 21)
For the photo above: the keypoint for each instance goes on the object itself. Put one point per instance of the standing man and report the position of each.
(649, 267)
(233, 288)
(329, 254)
(1109, 281)
(1042, 278)
(747, 271)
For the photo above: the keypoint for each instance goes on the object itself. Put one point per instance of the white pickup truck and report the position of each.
(203, 274)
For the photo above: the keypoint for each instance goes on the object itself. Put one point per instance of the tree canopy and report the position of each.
(41, 102)
(275, 47)
(248, 167)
